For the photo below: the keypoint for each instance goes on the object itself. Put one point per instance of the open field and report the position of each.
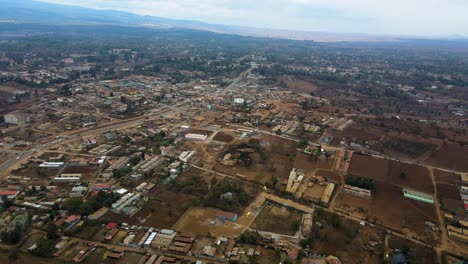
(163, 208)
(446, 177)
(421, 254)
(202, 221)
(450, 156)
(450, 199)
(368, 167)
(223, 137)
(347, 240)
(330, 175)
(276, 219)
(200, 131)
(356, 206)
(391, 209)
(394, 172)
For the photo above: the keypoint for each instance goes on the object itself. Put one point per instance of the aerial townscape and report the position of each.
(124, 144)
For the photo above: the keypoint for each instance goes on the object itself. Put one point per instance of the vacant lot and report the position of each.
(446, 177)
(358, 207)
(163, 209)
(421, 254)
(223, 137)
(450, 156)
(450, 199)
(278, 220)
(359, 134)
(200, 131)
(368, 167)
(330, 175)
(394, 172)
(202, 221)
(391, 209)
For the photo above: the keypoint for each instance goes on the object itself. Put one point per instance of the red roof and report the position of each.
(111, 225)
(2, 193)
(226, 215)
(466, 206)
(72, 218)
(102, 186)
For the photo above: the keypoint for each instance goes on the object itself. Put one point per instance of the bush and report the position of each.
(45, 248)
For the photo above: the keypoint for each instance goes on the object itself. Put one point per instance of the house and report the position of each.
(293, 253)
(78, 191)
(221, 215)
(111, 225)
(209, 251)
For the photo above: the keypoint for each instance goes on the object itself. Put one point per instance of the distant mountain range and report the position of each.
(29, 11)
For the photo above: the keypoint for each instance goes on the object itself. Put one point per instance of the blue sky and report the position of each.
(386, 17)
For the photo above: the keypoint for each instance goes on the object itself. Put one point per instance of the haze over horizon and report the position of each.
(429, 18)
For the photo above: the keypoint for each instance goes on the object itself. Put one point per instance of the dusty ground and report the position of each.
(391, 209)
(447, 177)
(277, 219)
(422, 254)
(330, 175)
(394, 172)
(450, 156)
(358, 207)
(223, 137)
(202, 221)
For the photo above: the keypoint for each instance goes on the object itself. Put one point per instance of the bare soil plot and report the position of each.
(450, 156)
(347, 240)
(357, 206)
(330, 175)
(409, 175)
(450, 199)
(422, 254)
(368, 167)
(96, 257)
(223, 137)
(299, 86)
(276, 219)
(394, 172)
(446, 177)
(391, 209)
(88, 172)
(202, 221)
(164, 208)
(360, 134)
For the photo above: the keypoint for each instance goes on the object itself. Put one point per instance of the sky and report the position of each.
(383, 17)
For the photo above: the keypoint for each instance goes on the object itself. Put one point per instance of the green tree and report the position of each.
(45, 248)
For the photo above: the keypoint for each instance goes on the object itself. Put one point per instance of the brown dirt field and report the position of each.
(300, 86)
(96, 257)
(360, 134)
(368, 167)
(223, 137)
(350, 249)
(450, 199)
(446, 177)
(88, 172)
(391, 209)
(417, 177)
(25, 258)
(198, 221)
(357, 206)
(450, 156)
(331, 175)
(422, 254)
(161, 211)
(275, 219)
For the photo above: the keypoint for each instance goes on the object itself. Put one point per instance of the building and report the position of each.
(16, 119)
(327, 193)
(68, 177)
(333, 260)
(195, 137)
(356, 191)
(418, 196)
(163, 239)
(221, 215)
